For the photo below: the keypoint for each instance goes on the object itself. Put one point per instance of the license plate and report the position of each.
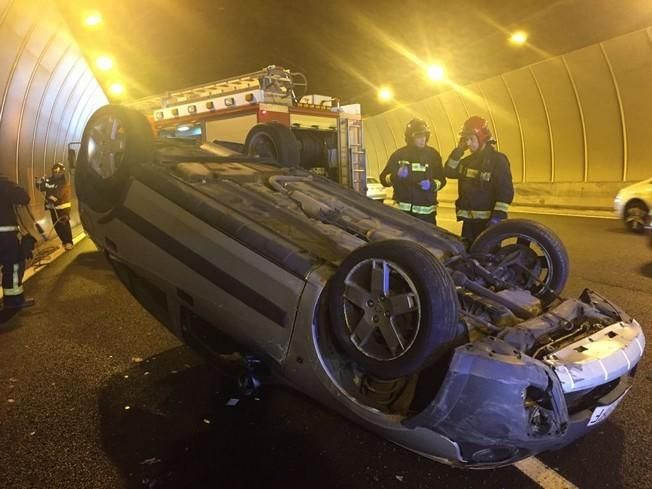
(602, 412)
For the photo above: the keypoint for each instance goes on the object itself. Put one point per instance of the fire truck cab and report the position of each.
(260, 114)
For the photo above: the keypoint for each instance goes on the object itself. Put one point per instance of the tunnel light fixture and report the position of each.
(385, 94)
(518, 38)
(436, 72)
(104, 62)
(93, 19)
(117, 88)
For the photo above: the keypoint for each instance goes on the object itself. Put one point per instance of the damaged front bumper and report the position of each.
(499, 404)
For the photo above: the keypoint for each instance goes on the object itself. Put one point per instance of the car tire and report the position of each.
(273, 141)
(636, 216)
(115, 139)
(548, 259)
(405, 301)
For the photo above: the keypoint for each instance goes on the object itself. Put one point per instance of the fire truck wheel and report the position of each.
(273, 141)
(115, 139)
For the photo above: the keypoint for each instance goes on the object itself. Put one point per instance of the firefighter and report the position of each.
(12, 261)
(485, 188)
(416, 173)
(57, 201)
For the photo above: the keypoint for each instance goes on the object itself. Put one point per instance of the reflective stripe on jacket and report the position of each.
(484, 183)
(422, 164)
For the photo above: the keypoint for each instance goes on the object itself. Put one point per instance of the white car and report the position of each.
(633, 205)
(375, 189)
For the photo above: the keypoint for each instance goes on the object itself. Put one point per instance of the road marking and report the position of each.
(543, 475)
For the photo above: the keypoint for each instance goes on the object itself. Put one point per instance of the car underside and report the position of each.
(470, 356)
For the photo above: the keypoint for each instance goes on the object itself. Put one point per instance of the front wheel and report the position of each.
(393, 308)
(527, 254)
(636, 217)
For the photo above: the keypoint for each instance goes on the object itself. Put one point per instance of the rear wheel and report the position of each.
(393, 308)
(115, 139)
(526, 254)
(273, 141)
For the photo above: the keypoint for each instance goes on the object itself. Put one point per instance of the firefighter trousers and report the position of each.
(429, 218)
(13, 269)
(61, 222)
(471, 229)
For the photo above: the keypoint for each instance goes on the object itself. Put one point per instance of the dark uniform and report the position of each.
(11, 258)
(57, 201)
(485, 189)
(416, 175)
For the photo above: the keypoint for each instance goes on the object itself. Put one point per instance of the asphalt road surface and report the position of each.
(94, 393)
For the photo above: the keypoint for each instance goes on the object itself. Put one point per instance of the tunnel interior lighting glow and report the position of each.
(518, 38)
(104, 63)
(117, 88)
(436, 72)
(93, 19)
(385, 94)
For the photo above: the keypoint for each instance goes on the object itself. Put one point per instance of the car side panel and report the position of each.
(251, 299)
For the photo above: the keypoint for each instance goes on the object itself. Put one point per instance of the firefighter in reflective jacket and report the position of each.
(11, 256)
(416, 173)
(485, 188)
(57, 201)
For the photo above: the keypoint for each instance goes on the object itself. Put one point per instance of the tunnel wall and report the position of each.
(575, 127)
(48, 93)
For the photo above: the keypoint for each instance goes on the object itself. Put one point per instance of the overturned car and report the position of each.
(468, 357)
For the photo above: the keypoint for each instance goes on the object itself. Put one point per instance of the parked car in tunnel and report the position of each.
(633, 205)
(375, 189)
(469, 357)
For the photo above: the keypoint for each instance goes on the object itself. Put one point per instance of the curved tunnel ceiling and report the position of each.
(573, 126)
(47, 91)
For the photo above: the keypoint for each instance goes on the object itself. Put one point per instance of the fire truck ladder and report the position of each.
(275, 82)
(352, 154)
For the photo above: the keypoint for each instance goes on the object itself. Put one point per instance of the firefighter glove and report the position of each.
(402, 172)
(496, 217)
(457, 154)
(425, 184)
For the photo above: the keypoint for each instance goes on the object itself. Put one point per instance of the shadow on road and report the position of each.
(646, 270)
(616, 229)
(600, 456)
(178, 430)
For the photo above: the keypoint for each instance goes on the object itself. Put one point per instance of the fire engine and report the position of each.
(260, 114)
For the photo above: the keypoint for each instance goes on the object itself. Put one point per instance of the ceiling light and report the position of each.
(117, 88)
(436, 72)
(385, 94)
(104, 63)
(184, 128)
(93, 19)
(518, 38)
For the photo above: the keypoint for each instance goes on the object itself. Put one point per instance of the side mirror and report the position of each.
(72, 158)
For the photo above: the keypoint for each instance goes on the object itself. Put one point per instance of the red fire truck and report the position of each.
(260, 114)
